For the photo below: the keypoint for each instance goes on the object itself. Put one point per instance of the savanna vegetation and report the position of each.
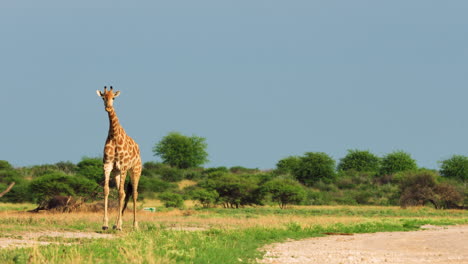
(315, 178)
(234, 210)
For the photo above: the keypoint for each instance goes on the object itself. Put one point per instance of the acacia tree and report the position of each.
(182, 151)
(285, 191)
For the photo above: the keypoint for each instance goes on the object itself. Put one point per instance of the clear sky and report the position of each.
(260, 80)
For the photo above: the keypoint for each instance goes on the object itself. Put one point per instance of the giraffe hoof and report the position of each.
(117, 228)
(105, 228)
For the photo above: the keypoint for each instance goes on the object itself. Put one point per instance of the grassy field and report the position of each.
(199, 235)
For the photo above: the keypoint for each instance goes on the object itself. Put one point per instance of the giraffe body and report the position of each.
(121, 155)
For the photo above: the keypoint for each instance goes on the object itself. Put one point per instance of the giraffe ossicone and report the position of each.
(121, 155)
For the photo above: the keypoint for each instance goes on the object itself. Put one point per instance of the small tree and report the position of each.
(181, 151)
(313, 167)
(360, 161)
(206, 197)
(455, 167)
(397, 161)
(172, 199)
(91, 168)
(285, 191)
(234, 190)
(288, 165)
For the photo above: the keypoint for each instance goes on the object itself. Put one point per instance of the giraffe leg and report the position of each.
(107, 172)
(135, 177)
(121, 189)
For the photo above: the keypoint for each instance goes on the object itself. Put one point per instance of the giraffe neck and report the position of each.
(114, 125)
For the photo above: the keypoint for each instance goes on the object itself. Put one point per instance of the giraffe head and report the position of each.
(108, 97)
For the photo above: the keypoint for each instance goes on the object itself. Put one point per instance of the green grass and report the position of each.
(362, 211)
(155, 243)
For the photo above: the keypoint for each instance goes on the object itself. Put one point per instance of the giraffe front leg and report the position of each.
(121, 188)
(136, 172)
(107, 172)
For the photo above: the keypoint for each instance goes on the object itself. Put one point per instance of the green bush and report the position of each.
(5, 165)
(287, 165)
(285, 191)
(40, 170)
(396, 162)
(242, 170)
(67, 167)
(59, 183)
(359, 160)
(91, 168)
(19, 192)
(235, 190)
(171, 199)
(193, 174)
(455, 167)
(314, 167)
(215, 171)
(207, 198)
(154, 184)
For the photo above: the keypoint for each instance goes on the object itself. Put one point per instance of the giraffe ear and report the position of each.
(116, 94)
(99, 93)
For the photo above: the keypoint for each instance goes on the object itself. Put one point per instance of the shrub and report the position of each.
(417, 188)
(193, 174)
(206, 197)
(91, 168)
(215, 170)
(448, 196)
(397, 161)
(235, 190)
(313, 167)
(66, 166)
(148, 184)
(288, 165)
(243, 170)
(455, 167)
(5, 165)
(59, 183)
(171, 199)
(359, 160)
(171, 174)
(40, 170)
(285, 191)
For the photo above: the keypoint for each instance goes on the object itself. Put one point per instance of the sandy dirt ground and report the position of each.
(441, 245)
(29, 239)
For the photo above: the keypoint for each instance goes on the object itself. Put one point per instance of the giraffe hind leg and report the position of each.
(129, 192)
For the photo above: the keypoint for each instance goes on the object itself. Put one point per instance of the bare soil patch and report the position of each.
(433, 244)
(29, 239)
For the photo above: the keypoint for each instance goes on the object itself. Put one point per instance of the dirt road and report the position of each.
(441, 245)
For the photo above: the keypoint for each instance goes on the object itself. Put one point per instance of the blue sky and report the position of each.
(260, 80)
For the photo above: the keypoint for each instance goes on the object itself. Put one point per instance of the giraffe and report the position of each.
(121, 154)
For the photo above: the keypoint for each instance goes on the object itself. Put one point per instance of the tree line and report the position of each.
(314, 178)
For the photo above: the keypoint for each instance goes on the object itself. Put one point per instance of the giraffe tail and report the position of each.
(129, 192)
